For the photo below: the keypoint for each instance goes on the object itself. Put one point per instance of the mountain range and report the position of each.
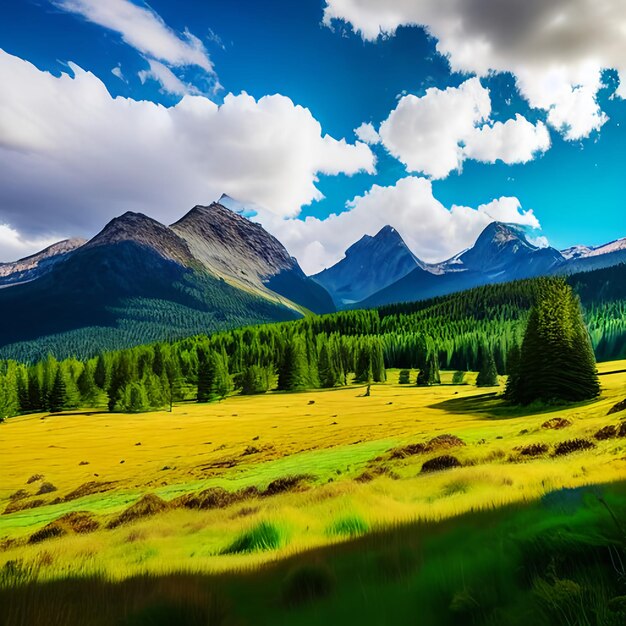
(139, 280)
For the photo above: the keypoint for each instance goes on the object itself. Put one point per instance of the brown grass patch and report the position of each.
(21, 505)
(573, 445)
(534, 449)
(45, 488)
(88, 489)
(617, 408)
(372, 472)
(20, 494)
(34, 478)
(212, 498)
(411, 450)
(440, 463)
(297, 482)
(148, 505)
(76, 522)
(556, 423)
(607, 432)
(444, 442)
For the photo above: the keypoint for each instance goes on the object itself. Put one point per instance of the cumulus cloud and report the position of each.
(72, 157)
(513, 141)
(431, 230)
(170, 83)
(557, 49)
(435, 133)
(367, 133)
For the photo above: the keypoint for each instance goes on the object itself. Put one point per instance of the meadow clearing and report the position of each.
(284, 472)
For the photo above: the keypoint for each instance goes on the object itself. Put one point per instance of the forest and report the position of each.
(474, 330)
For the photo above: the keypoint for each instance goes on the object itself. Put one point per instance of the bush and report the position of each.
(556, 423)
(442, 442)
(287, 483)
(149, 504)
(440, 463)
(262, 537)
(534, 449)
(608, 432)
(573, 445)
(75, 522)
(46, 488)
(307, 583)
(212, 498)
(405, 377)
(458, 378)
(410, 450)
(350, 526)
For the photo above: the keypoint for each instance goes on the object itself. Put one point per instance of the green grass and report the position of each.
(262, 537)
(349, 526)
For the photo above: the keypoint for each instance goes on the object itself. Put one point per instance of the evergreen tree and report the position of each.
(512, 369)
(206, 375)
(293, 373)
(329, 372)
(429, 373)
(378, 361)
(58, 398)
(404, 377)
(488, 375)
(556, 360)
(363, 370)
(100, 375)
(87, 386)
(254, 380)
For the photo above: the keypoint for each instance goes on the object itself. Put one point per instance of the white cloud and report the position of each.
(432, 231)
(72, 156)
(117, 72)
(169, 82)
(425, 133)
(436, 132)
(367, 133)
(556, 49)
(514, 141)
(143, 29)
(15, 246)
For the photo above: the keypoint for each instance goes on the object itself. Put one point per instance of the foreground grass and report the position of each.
(307, 469)
(559, 561)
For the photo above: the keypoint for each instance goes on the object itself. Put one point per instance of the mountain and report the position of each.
(369, 265)
(244, 254)
(139, 281)
(585, 259)
(36, 265)
(501, 253)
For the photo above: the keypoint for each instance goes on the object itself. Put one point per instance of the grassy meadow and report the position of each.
(282, 474)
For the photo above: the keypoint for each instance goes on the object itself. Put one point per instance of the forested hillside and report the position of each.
(454, 332)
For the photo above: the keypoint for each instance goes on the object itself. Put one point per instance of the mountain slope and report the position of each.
(138, 280)
(245, 255)
(501, 253)
(36, 265)
(369, 265)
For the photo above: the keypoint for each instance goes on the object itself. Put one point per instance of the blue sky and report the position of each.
(575, 187)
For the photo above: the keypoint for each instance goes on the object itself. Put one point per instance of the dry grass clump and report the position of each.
(376, 470)
(21, 505)
(617, 408)
(607, 432)
(76, 522)
(45, 488)
(443, 442)
(440, 463)
(88, 489)
(20, 494)
(621, 431)
(534, 449)
(212, 498)
(148, 505)
(573, 445)
(556, 423)
(34, 478)
(296, 482)
(410, 450)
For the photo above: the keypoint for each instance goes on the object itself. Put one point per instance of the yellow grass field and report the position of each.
(339, 438)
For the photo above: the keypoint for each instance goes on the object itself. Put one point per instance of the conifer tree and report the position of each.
(429, 373)
(254, 380)
(58, 399)
(207, 368)
(556, 360)
(329, 373)
(363, 369)
(488, 374)
(293, 373)
(100, 374)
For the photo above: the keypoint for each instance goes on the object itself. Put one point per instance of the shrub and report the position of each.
(405, 377)
(410, 450)
(146, 506)
(440, 463)
(287, 483)
(556, 423)
(458, 378)
(350, 526)
(79, 522)
(45, 488)
(573, 445)
(534, 449)
(442, 442)
(34, 478)
(617, 408)
(212, 498)
(307, 583)
(262, 537)
(607, 432)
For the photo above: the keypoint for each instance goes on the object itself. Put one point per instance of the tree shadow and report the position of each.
(492, 406)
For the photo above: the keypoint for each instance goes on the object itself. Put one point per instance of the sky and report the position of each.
(331, 118)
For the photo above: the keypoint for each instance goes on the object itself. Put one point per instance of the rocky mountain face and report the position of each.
(212, 269)
(369, 265)
(36, 265)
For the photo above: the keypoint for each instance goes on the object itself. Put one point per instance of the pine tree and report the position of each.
(206, 375)
(378, 361)
(293, 373)
(100, 374)
(363, 369)
(254, 380)
(329, 373)
(58, 399)
(512, 370)
(429, 373)
(488, 374)
(556, 360)
(87, 386)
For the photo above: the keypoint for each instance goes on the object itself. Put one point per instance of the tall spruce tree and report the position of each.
(556, 360)
(488, 374)
(293, 373)
(58, 398)
(429, 372)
